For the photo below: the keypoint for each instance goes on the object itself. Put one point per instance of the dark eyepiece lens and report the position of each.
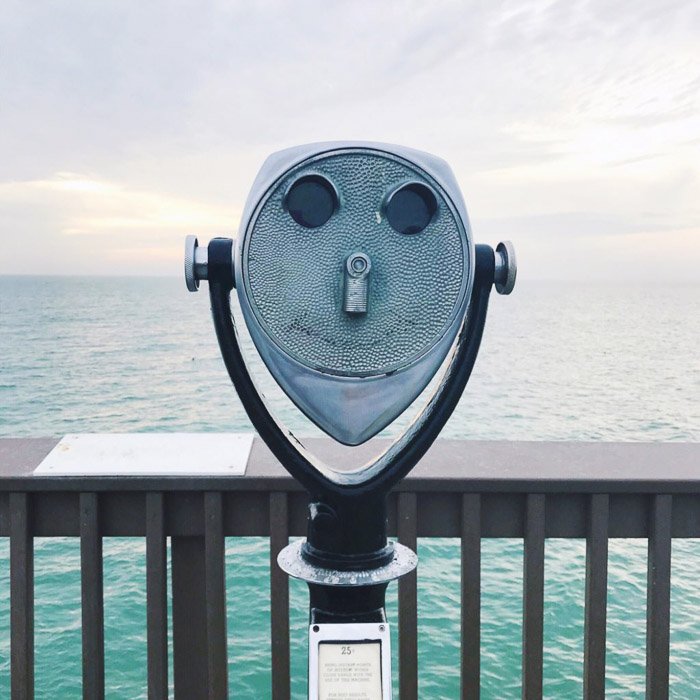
(411, 208)
(311, 201)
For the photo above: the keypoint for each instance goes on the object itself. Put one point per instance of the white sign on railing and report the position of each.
(153, 454)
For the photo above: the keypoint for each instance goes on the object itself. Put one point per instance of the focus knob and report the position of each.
(506, 268)
(195, 263)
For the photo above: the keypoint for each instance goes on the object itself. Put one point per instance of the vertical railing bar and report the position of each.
(189, 610)
(408, 601)
(533, 596)
(215, 590)
(156, 598)
(471, 596)
(596, 598)
(21, 599)
(279, 597)
(659, 598)
(92, 598)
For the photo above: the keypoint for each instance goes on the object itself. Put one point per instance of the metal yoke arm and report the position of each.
(392, 465)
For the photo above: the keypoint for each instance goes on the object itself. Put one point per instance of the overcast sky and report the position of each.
(573, 127)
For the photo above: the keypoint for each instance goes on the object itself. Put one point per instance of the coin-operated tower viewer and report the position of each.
(359, 283)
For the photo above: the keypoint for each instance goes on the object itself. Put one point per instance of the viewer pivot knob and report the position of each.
(505, 268)
(196, 262)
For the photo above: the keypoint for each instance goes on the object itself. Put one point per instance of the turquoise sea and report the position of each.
(558, 362)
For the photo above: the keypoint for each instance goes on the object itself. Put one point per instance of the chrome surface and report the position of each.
(201, 256)
(506, 268)
(291, 562)
(191, 279)
(349, 388)
(348, 409)
(356, 292)
(290, 272)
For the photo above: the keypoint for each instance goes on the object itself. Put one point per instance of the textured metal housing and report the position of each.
(352, 374)
(294, 275)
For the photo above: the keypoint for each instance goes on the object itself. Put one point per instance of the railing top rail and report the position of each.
(450, 465)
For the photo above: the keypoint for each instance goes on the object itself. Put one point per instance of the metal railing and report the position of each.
(468, 490)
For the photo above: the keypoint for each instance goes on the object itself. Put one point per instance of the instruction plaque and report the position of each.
(350, 670)
(349, 662)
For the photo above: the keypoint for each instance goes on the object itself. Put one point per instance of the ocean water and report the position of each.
(557, 362)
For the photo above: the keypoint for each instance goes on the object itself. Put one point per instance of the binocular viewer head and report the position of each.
(359, 282)
(354, 268)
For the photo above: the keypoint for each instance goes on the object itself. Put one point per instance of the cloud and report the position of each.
(543, 108)
(138, 231)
